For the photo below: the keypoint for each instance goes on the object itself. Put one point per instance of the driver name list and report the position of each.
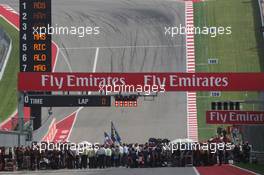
(35, 48)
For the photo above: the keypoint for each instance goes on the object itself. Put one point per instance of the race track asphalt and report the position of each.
(113, 171)
(131, 39)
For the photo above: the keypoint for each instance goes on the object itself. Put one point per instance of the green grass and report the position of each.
(8, 84)
(253, 167)
(242, 51)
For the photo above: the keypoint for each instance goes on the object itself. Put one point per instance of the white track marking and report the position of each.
(66, 117)
(89, 93)
(8, 8)
(95, 59)
(9, 22)
(78, 110)
(66, 60)
(124, 47)
(56, 58)
(192, 126)
(243, 169)
(196, 171)
(95, 63)
(7, 119)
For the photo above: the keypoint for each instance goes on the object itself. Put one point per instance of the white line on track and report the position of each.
(9, 22)
(56, 58)
(196, 171)
(80, 108)
(95, 63)
(66, 60)
(95, 59)
(7, 119)
(246, 170)
(124, 47)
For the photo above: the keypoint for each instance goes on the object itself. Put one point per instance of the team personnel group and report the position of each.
(150, 154)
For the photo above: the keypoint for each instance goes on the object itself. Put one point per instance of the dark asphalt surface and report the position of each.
(131, 40)
(115, 171)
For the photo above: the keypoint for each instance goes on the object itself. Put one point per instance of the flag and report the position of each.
(107, 139)
(114, 134)
(118, 138)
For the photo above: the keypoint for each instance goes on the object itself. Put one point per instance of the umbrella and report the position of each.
(185, 140)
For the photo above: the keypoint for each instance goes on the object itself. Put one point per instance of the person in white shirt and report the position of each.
(101, 156)
(125, 155)
(108, 155)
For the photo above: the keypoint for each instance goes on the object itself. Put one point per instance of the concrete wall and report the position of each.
(9, 139)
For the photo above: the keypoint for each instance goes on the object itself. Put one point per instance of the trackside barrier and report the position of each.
(256, 156)
(7, 51)
(10, 139)
(261, 8)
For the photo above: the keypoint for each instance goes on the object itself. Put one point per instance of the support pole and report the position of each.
(20, 110)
